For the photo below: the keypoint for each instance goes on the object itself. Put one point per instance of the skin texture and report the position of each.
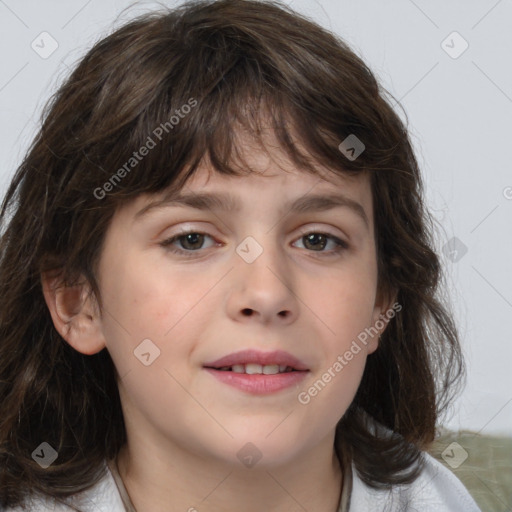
(184, 427)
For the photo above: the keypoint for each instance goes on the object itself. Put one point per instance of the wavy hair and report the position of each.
(240, 61)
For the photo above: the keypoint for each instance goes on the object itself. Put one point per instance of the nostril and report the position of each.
(247, 312)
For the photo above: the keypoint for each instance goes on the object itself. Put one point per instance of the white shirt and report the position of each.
(436, 489)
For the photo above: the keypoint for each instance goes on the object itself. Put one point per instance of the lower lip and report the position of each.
(258, 384)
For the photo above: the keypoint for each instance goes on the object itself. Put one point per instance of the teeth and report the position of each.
(271, 369)
(251, 369)
(254, 369)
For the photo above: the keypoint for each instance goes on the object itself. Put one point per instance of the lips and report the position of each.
(257, 369)
(255, 361)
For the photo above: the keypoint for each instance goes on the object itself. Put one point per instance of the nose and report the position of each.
(262, 284)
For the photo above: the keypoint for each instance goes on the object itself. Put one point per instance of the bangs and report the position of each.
(174, 109)
(221, 135)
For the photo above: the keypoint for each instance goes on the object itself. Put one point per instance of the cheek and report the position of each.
(327, 396)
(344, 305)
(345, 310)
(152, 303)
(146, 297)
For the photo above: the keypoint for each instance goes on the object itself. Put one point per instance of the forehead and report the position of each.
(274, 192)
(275, 185)
(267, 181)
(265, 158)
(268, 175)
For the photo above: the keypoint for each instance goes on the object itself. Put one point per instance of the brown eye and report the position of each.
(317, 242)
(189, 243)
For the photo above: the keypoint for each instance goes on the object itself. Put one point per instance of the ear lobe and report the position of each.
(74, 313)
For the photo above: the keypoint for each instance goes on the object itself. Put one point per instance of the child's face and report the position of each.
(303, 298)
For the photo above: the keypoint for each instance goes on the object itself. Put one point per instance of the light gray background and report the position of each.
(460, 113)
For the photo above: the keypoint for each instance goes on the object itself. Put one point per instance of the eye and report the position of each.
(318, 241)
(192, 241)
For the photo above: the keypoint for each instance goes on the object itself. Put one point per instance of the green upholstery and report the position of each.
(487, 470)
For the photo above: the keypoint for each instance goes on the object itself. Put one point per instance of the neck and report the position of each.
(189, 483)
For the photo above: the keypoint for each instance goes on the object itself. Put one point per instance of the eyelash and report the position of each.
(341, 244)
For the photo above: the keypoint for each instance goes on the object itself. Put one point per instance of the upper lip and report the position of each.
(276, 357)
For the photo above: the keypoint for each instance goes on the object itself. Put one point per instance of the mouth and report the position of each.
(256, 379)
(256, 369)
(252, 362)
(258, 373)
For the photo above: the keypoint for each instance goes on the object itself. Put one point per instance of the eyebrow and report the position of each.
(226, 202)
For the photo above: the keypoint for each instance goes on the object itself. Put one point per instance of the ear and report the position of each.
(385, 309)
(74, 312)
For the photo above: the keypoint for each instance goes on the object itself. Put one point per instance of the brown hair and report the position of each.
(235, 59)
